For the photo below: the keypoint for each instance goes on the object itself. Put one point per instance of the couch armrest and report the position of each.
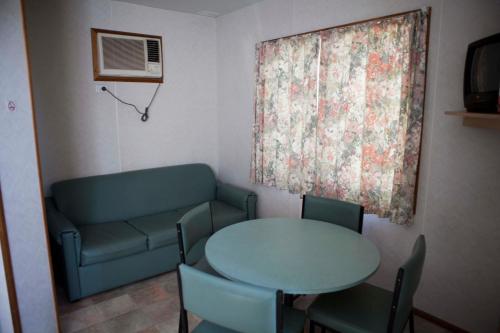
(58, 224)
(68, 237)
(238, 197)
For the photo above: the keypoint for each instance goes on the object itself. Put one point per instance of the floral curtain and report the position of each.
(349, 125)
(285, 106)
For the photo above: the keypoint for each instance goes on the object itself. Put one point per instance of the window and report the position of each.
(338, 113)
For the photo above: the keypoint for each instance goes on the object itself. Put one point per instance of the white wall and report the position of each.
(6, 325)
(19, 180)
(83, 132)
(459, 183)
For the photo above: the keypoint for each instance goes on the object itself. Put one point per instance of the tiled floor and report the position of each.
(149, 306)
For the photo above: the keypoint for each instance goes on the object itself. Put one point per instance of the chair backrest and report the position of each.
(233, 305)
(339, 212)
(193, 226)
(407, 283)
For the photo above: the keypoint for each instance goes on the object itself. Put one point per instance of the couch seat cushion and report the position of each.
(224, 215)
(107, 241)
(160, 228)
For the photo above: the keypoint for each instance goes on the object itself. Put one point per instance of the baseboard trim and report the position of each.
(438, 321)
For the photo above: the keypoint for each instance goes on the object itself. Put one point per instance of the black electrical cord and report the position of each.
(145, 114)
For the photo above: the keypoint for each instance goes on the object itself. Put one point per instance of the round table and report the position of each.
(297, 256)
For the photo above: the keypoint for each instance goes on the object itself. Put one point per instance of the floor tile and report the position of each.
(169, 283)
(80, 319)
(116, 306)
(65, 306)
(149, 294)
(167, 327)
(166, 310)
(131, 322)
(151, 330)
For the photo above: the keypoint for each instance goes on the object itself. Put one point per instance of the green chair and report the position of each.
(369, 309)
(342, 213)
(232, 307)
(193, 231)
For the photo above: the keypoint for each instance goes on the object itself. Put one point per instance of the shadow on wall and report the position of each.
(76, 126)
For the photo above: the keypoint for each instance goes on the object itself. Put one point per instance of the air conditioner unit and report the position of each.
(125, 56)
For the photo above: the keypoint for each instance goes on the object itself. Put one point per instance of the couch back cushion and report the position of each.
(131, 194)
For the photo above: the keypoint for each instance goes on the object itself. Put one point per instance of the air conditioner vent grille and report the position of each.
(121, 53)
(153, 51)
(126, 56)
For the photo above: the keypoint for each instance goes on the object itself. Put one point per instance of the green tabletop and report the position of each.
(298, 256)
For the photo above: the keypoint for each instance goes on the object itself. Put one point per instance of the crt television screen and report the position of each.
(485, 71)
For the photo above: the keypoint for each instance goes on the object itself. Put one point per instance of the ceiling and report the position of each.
(212, 8)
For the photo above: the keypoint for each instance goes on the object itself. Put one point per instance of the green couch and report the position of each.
(107, 231)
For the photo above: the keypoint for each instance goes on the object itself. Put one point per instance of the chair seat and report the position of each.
(224, 215)
(293, 323)
(362, 309)
(197, 252)
(160, 229)
(204, 266)
(107, 241)
(196, 258)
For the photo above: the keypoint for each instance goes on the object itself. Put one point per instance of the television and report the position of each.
(482, 75)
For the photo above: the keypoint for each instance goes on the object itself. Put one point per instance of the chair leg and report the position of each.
(412, 322)
(312, 327)
(183, 322)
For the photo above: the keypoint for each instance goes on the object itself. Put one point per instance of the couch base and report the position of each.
(111, 274)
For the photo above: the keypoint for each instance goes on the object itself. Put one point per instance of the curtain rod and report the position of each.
(428, 9)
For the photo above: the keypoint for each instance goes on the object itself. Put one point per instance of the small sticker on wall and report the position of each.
(11, 105)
